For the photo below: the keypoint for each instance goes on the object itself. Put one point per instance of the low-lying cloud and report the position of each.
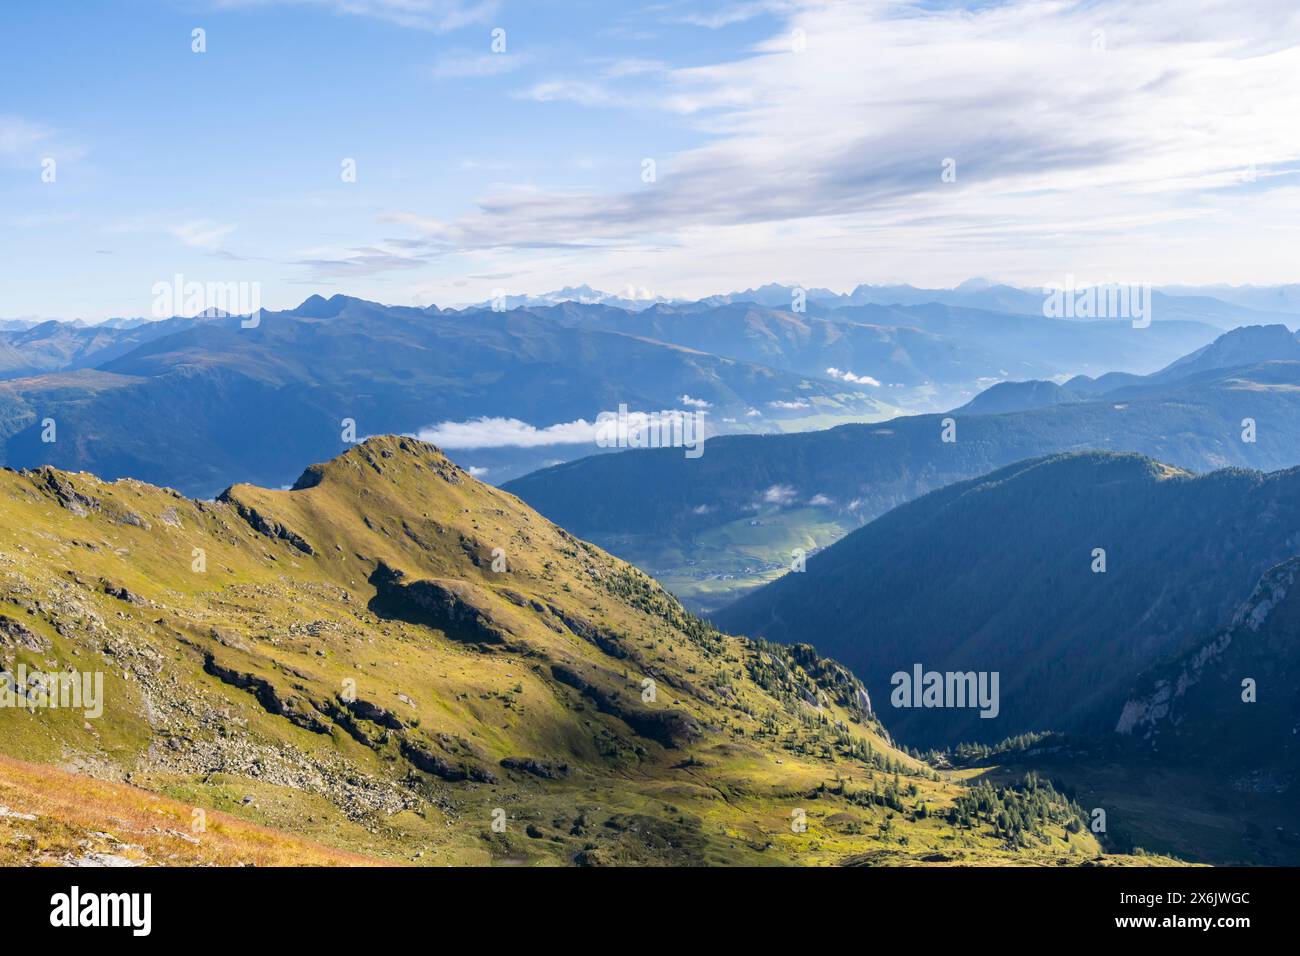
(506, 433)
(498, 432)
(779, 495)
(847, 376)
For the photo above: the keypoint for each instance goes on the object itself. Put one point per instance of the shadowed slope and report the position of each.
(997, 575)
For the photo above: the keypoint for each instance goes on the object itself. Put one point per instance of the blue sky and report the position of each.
(798, 141)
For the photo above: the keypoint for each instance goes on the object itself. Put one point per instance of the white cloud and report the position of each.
(27, 143)
(789, 406)
(633, 66)
(1067, 160)
(20, 138)
(846, 376)
(349, 264)
(464, 65)
(583, 92)
(779, 495)
(506, 433)
(439, 16)
(821, 501)
(488, 432)
(728, 14)
(694, 402)
(201, 233)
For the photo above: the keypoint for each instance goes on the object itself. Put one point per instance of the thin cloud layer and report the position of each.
(685, 147)
(865, 124)
(439, 16)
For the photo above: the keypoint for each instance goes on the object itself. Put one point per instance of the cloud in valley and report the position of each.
(506, 433)
(845, 376)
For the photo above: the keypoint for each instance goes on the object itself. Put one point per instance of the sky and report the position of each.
(669, 148)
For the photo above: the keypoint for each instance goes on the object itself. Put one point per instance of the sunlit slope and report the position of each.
(50, 817)
(396, 660)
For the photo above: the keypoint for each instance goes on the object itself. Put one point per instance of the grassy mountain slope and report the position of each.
(996, 574)
(50, 817)
(342, 662)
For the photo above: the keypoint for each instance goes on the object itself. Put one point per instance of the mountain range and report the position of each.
(194, 402)
(715, 527)
(916, 355)
(1220, 305)
(389, 660)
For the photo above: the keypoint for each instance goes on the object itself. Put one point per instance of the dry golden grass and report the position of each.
(79, 817)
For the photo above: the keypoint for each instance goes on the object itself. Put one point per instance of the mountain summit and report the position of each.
(396, 660)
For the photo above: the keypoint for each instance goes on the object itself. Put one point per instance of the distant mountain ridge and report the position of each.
(750, 501)
(1250, 304)
(1222, 306)
(1245, 346)
(193, 404)
(1018, 397)
(953, 350)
